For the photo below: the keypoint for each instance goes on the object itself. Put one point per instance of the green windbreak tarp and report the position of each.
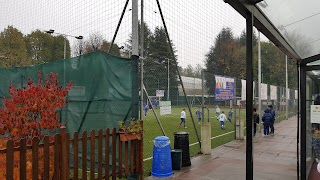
(101, 94)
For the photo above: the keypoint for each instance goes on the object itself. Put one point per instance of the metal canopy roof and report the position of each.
(292, 25)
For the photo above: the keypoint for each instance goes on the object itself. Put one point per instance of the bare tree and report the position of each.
(96, 42)
(197, 71)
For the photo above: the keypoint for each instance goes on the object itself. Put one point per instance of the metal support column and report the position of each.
(249, 96)
(259, 79)
(303, 110)
(141, 62)
(135, 59)
(287, 102)
(298, 122)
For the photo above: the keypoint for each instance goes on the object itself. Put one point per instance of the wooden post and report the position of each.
(35, 158)
(64, 159)
(56, 175)
(75, 155)
(9, 160)
(46, 158)
(92, 151)
(100, 134)
(107, 154)
(23, 161)
(84, 155)
(114, 154)
(120, 159)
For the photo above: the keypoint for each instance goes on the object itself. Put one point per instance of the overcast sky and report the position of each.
(192, 25)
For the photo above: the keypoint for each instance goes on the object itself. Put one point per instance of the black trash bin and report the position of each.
(176, 156)
(181, 141)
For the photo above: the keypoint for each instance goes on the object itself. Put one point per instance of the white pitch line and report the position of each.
(149, 158)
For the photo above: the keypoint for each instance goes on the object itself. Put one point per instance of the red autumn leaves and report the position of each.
(33, 109)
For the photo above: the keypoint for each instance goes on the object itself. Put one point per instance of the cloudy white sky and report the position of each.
(192, 25)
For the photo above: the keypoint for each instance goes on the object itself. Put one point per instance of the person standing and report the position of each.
(230, 115)
(256, 120)
(222, 118)
(199, 114)
(217, 110)
(273, 113)
(183, 118)
(266, 118)
(146, 108)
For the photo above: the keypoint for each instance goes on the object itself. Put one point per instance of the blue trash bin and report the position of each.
(161, 163)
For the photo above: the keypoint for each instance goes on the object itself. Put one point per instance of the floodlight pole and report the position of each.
(135, 57)
(287, 107)
(141, 61)
(168, 82)
(65, 48)
(135, 32)
(259, 75)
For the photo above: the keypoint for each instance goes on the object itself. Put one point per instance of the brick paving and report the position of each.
(275, 158)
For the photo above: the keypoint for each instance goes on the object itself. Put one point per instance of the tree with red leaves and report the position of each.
(33, 109)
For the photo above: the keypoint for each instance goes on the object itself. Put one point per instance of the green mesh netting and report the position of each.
(101, 94)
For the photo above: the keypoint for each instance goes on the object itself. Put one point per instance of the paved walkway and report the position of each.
(274, 158)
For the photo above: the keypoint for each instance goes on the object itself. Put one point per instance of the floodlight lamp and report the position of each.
(50, 31)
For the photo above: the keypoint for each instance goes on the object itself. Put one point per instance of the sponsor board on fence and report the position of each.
(165, 107)
(315, 113)
(160, 93)
(224, 89)
(273, 92)
(244, 89)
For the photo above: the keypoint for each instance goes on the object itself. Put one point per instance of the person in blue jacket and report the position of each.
(230, 115)
(273, 113)
(199, 114)
(266, 119)
(146, 108)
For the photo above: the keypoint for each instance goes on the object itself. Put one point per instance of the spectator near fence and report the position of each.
(273, 113)
(146, 108)
(199, 114)
(266, 118)
(183, 118)
(256, 120)
(230, 115)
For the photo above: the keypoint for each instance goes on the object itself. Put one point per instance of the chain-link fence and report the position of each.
(204, 37)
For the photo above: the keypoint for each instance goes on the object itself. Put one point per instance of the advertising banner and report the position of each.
(273, 92)
(224, 88)
(315, 113)
(165, 107)
(160, 93)
(264, 91)
(243, 89)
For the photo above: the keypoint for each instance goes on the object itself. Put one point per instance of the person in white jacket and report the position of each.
(222, 118)
(183, 118)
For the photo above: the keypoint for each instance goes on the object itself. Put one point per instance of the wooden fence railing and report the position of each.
(64, 158)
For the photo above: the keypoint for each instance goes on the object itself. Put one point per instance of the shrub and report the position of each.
(30, 112)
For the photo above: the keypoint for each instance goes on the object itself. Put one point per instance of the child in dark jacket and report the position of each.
(273, 113)
(266, 118)
(256, 120)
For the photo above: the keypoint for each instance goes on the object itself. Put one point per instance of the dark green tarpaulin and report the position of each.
(101, 94)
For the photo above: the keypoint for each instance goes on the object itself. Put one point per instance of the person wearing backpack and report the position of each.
(273, 113)
(256, 120)
(266, 119)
